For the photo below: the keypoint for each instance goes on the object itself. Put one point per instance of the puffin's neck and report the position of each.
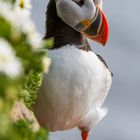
(60, 31)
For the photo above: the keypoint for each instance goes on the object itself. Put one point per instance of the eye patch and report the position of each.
(80, 3)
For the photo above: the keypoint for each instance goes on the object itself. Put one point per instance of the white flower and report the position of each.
(46, 64)
(4, 9)
(21, 22)
(26, 3)
(9, 63)
(35, 40)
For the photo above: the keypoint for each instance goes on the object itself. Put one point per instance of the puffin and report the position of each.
(72, 93)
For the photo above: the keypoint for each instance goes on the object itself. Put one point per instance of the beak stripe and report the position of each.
(95, 24)
(95, 29)
(87, 25)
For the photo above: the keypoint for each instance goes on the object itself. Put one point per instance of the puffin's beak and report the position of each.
(96, 29)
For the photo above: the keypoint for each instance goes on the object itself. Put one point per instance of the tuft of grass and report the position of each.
(30, 88)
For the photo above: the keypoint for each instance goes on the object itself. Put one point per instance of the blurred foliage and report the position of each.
(25, 73)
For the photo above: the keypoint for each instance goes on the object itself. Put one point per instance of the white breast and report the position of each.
(74, 90)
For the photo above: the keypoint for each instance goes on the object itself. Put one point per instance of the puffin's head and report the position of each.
(85, 16)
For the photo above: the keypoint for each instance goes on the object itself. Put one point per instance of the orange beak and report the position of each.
(95, 29)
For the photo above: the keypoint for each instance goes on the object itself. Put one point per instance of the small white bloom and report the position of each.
(35, 40)
(9, 64)
(26, 3)
(28, 27)
(4, 9)
(20, 19)
(21, 22)
(46, 64)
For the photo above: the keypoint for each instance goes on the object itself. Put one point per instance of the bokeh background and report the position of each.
(122, 54)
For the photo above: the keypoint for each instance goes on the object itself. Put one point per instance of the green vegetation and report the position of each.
(22, 58)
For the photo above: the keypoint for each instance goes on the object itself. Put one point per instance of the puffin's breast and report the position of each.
(77, 81)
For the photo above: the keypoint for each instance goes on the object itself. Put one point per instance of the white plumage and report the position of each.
(72, 14)
(74, 90)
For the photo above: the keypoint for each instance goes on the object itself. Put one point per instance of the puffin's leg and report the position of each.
(85, 135)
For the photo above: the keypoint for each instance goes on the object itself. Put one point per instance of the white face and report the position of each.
(72, 13)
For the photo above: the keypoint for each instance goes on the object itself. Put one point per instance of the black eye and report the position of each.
(80, 2)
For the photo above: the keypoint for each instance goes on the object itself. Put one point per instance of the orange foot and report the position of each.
(85, 135)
